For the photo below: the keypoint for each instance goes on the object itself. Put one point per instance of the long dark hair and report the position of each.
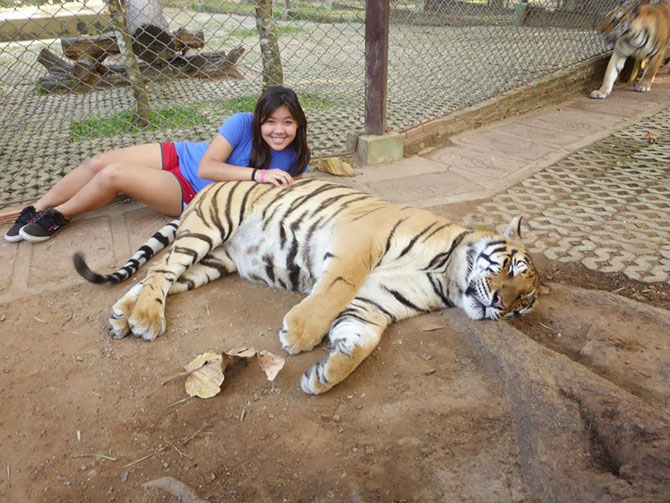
(271, 100)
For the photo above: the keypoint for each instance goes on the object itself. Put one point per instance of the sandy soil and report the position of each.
(87, 418)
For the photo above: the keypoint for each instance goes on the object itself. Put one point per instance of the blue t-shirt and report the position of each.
(237, 131)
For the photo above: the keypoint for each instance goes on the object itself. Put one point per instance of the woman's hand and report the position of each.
(275, 177)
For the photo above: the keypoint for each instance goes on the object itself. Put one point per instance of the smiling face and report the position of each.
(279, 129)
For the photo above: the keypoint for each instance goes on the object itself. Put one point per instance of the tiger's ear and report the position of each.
(513, 230)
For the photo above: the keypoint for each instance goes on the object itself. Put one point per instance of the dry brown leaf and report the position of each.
(650, 137)
(432, 326)
(243, 352)
(270, 363)
(205, 375)
(336, 166)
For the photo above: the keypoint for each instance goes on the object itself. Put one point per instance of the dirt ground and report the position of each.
(87, 419)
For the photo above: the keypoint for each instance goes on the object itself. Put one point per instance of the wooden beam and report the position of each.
(376, 64)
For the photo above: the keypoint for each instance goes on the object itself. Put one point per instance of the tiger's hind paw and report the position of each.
(117, 325)
(118, 318)
(148, 327)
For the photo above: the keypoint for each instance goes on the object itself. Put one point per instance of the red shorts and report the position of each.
(171, 164)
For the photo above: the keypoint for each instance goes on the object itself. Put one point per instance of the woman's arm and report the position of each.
(213, 164)
(213, 167)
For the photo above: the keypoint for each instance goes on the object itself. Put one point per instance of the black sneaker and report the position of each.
(27, 215)
(46, 224)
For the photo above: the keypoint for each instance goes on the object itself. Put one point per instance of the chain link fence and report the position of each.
(85, 77)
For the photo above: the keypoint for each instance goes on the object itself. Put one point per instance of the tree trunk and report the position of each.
(134, 74)
(149, 31)
(580, 436)
(265, 23)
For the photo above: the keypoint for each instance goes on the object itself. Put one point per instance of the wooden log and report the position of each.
(212, 65)
(96, 47)
(87, 70)
(51, 62)
(187, 39)
(149, 31)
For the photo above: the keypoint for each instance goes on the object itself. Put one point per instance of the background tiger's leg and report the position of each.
(118, 318)
(345, 271)
(614, 66)
(644, 84)
(214, 265)
(354, 335)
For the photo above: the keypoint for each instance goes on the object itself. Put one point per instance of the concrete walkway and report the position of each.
(591, 178)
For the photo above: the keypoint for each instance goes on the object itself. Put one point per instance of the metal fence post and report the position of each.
(376, 64)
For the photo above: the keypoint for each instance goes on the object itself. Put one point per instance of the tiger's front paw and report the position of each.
(598, 94)
(315, 381)
(300, 333)
(643, 87)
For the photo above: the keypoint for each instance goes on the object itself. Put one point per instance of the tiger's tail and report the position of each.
(161, 239)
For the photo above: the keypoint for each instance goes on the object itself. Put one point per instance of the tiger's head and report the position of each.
(501, 280)
(618, 21)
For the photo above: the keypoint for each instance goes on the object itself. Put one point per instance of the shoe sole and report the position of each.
(14, 239)
(36, 239)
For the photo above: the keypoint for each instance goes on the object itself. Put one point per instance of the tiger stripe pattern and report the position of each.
(158, 241)
(365, 263)
(640, 30)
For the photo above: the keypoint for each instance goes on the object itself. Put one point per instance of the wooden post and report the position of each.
(376, 64)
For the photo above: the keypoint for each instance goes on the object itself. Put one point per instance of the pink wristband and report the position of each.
(262, 180)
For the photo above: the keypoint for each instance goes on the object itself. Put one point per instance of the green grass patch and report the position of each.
(124, 122)
(247, 103)
(253, 32)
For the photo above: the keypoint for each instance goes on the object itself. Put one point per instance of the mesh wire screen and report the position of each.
(65, 69)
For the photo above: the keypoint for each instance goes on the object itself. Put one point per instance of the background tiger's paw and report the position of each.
(314, 381)
(300, 334)
(598, 95)
(642, 87)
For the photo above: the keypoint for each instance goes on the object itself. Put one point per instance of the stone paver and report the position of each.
(600, 195)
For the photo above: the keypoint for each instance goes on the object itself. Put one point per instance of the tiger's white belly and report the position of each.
(260, 258)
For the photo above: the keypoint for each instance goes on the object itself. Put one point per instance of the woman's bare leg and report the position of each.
(157, 189)
(148, 155)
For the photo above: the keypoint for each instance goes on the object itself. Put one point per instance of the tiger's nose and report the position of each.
(497, 301)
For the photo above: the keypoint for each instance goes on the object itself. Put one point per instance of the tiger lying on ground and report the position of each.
(365, 262)
(641, 31)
